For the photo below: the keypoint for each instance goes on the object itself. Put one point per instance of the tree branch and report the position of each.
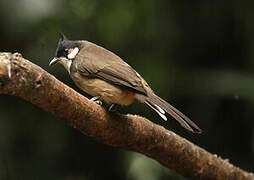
(22, 78)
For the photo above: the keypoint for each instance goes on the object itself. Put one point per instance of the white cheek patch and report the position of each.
(73, 53)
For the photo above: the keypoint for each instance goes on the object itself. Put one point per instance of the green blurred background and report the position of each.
(198, 55)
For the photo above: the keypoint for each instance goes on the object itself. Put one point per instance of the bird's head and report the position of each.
(66, 52)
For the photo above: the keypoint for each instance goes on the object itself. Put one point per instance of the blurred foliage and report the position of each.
(196, 54)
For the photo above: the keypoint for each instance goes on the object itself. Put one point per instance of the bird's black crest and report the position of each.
(64, 44)
(62, 37)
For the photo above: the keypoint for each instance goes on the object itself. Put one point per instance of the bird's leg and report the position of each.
(114, 107)
(97, 100)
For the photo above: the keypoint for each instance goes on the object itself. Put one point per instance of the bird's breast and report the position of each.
(106, 91)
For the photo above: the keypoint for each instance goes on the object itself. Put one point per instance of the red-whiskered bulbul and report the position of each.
(105, 76)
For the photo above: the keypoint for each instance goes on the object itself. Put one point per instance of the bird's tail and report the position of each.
(161, 106)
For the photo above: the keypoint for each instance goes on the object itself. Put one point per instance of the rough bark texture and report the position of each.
(131, 132)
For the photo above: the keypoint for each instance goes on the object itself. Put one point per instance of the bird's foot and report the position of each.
(114, 107)
(97, 100)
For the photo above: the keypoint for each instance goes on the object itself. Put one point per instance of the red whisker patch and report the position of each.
(69, 51)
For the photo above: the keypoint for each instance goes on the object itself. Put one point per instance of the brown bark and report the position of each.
(131, 132)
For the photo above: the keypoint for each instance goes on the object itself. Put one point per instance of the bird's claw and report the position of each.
(96, 100)
(113, 107)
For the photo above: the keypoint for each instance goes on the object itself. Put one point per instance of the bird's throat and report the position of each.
(66, 64)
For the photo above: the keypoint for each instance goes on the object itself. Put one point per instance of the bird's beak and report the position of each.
(55, 60)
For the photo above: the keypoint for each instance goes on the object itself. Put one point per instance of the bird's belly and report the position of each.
(106, 91)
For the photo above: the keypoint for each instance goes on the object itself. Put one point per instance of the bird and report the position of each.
(106, 77)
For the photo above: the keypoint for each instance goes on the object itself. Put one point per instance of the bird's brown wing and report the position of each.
(95, 61)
